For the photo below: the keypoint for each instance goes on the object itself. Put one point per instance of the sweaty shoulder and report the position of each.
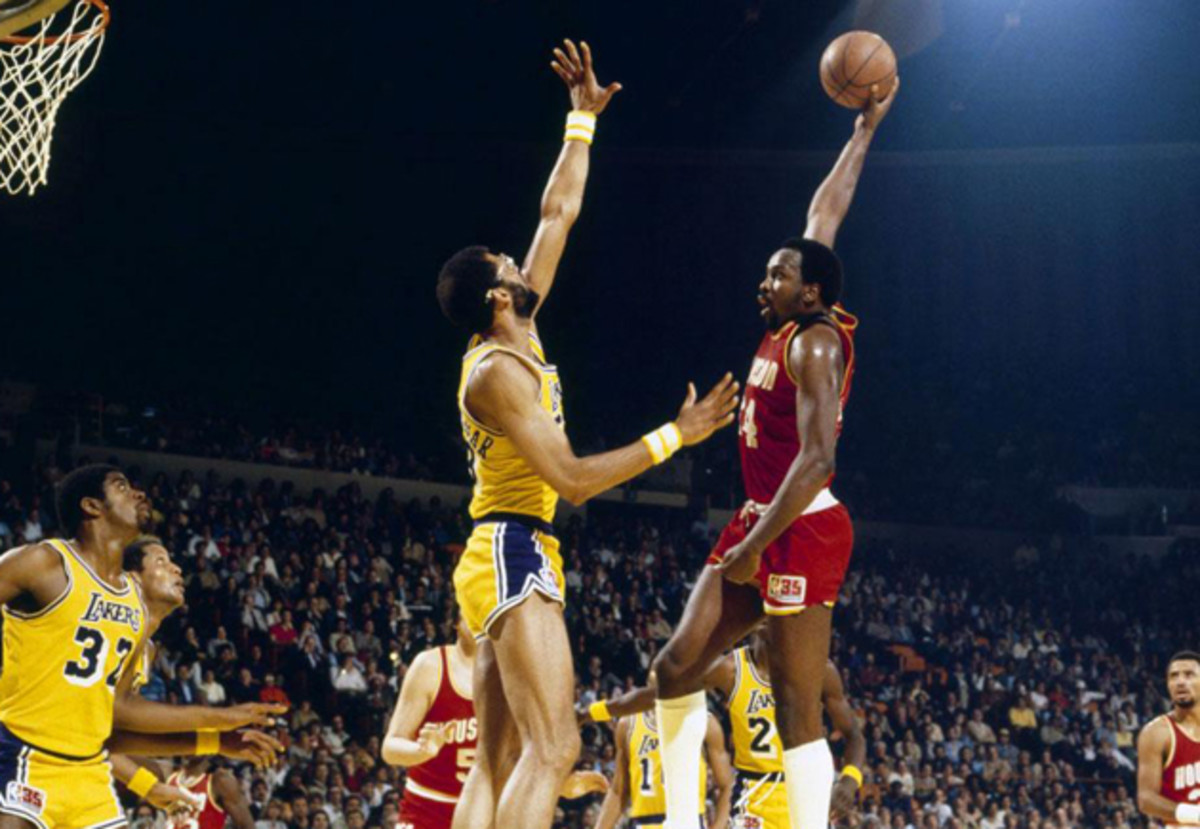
(1154, 740)
(31, 576)
(501, 384)
(816, 347)
(1157, 730)
(425, 672)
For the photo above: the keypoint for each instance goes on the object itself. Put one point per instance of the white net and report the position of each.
(36, 75)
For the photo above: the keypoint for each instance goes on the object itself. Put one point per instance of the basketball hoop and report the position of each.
(37, 72)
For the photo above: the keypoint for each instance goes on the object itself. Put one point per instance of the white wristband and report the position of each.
(1187, 813)
(663, 442)
(581, 126)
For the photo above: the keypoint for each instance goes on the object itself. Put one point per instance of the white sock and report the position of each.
(808, 775)
(682, 723)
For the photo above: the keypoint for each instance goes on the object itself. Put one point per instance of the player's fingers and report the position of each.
(574, 55)
(720, 389)
(565, 63)
(587, 55)
(690, 398)
(558, 70)
(612, 89)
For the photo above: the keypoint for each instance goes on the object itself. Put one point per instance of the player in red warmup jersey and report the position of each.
(220, 797)
(434, 732)
(786, 550)
(1169, 750)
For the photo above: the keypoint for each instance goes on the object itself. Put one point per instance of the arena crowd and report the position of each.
(995, 691)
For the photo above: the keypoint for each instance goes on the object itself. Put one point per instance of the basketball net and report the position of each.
(37, 72)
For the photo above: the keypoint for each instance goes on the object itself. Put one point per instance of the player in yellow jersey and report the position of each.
(638, 783)
(743, 679)
(509, 581)
(161, 580)
(182, 730)
(72, 623)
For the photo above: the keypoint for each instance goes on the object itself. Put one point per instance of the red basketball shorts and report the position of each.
(804, 566)
(418, 812)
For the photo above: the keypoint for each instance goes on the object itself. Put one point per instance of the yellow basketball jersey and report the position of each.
(504, 482)
(62, 663)
(756, 744)
(646, 793)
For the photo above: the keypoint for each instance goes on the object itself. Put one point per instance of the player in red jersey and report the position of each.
(219, 795)
(434, 731)
(785, 552)
(1169, 750)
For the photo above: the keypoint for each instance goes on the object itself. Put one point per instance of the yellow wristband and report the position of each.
(599, 712)
(854, 774)
(663, 442)
(142, 782)
(581, 126)
(208, 742)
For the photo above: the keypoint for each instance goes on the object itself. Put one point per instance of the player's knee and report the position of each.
(667, 672)
(674, 675)
(558, 753)
(798, 718)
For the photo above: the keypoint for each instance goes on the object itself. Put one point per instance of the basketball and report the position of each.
(853, 63)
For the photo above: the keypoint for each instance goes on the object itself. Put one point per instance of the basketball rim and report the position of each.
(16, 15)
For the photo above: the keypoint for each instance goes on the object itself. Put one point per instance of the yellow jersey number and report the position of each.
(86, 670)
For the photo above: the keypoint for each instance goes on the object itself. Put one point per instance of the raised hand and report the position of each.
(878, 108)
(574, 66)
(697, 421)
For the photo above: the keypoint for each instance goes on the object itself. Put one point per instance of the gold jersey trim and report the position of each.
(74, 553)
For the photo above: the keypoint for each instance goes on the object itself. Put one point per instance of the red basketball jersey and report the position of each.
(210, 816)
(1181, 774)
(767, 433)
(442, 777)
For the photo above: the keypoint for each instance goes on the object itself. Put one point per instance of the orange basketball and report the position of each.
(853, 63)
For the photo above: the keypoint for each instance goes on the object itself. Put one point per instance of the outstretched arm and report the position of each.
(832, 200)
(503, 393)
(844, 721)
(815, 359)
(563, 198)
(249, 746)
(133, 712)
(719, 678)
